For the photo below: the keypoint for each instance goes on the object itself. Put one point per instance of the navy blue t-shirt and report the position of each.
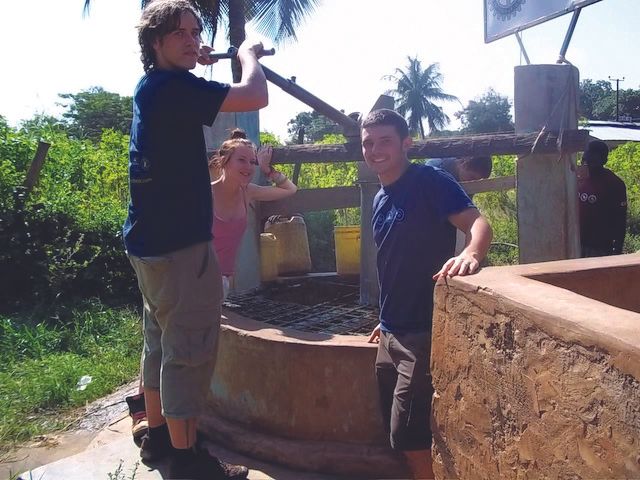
(169, 181)
(414, 239)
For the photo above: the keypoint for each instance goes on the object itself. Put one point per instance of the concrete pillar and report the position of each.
(546, 96)
(247, 274)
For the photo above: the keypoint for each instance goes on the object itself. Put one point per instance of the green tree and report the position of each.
(316, 126)
(416, 92)
(276, 19)
(91, 111)
(630, 103)
(489, 113)
(597, 99)
(268, 138)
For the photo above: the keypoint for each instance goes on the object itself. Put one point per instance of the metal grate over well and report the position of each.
(314, 304)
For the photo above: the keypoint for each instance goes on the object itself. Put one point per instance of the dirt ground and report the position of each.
(89, 422)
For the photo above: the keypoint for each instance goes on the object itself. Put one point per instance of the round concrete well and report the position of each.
(305, 400)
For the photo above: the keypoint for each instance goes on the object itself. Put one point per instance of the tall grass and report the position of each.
(43, 356)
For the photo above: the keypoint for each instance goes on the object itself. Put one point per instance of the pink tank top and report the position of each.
(227, 235)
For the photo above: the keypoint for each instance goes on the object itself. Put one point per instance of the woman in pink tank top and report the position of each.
(232, 167)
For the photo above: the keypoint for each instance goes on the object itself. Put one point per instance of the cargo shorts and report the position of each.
(405, 388)
(182, 296)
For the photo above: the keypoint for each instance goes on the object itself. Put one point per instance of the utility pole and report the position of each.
(617, 80)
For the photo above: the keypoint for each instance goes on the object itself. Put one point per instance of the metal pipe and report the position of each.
(307, 98)
(567, 38)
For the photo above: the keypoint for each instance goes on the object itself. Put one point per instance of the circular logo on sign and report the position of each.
(505, 9)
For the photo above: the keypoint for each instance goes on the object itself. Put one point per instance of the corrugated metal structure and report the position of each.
(613, 133)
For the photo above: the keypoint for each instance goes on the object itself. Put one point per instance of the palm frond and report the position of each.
(416, 91)
(279, 19)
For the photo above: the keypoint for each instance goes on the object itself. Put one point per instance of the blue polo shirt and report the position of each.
(414, 239)
(169, 183)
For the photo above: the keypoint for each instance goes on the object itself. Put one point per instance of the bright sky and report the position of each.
(342, 53)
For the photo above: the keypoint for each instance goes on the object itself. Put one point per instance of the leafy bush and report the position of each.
(624, 161)
(65, 237)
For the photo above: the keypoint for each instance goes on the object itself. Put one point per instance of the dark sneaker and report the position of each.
(156, 444)
(200, 465)
(138, 415)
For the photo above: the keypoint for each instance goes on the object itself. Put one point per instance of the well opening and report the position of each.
(320, 304)
(613, 285)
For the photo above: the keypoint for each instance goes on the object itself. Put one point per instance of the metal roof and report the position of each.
(613, 131)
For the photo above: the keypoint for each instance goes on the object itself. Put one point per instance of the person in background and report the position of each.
(602, 204)
(232, 167)
(464, 169)
(415, 215)
(167, 233)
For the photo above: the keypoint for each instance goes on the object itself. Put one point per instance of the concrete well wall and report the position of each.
(305, 400)
(537, 381)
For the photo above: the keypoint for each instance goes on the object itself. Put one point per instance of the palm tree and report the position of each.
(276, 19)
(415, 93)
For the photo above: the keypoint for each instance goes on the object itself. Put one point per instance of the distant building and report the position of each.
(612, 133)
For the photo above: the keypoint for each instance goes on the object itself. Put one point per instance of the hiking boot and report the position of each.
(156, 444)
(199, 464)
(138, 414)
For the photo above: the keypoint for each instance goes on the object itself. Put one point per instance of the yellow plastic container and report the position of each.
(293, 244)
(268, 257)
(347, 249)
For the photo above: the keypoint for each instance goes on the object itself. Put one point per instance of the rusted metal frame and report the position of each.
(571, 141)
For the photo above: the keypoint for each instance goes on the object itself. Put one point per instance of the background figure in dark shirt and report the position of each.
(603, 204)
(464, 169)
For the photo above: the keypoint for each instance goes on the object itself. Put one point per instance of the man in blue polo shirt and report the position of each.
(415, 216)
(167, 233)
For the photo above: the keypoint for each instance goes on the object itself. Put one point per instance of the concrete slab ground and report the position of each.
(112, 455)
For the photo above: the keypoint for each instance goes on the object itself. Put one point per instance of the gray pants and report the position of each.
(182, 295)
(404, 383)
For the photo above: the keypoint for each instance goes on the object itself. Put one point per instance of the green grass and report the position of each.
(43, 354)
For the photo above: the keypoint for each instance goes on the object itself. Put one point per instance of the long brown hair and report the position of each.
(158, 18)
(237, 138)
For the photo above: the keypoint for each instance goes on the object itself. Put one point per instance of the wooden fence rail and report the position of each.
(317, 199)
(571, 141)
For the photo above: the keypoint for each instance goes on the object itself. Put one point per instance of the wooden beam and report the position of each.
(296, 91)
(571, 141)
(495, 184)
(36, 165)
(317, 199)
(313, 200)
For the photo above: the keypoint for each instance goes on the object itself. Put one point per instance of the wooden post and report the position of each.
(546, 96)
(369, 186)
(36, 165)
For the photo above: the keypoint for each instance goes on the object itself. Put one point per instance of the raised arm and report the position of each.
(283, 187)
(251, 93)
(478, 240)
